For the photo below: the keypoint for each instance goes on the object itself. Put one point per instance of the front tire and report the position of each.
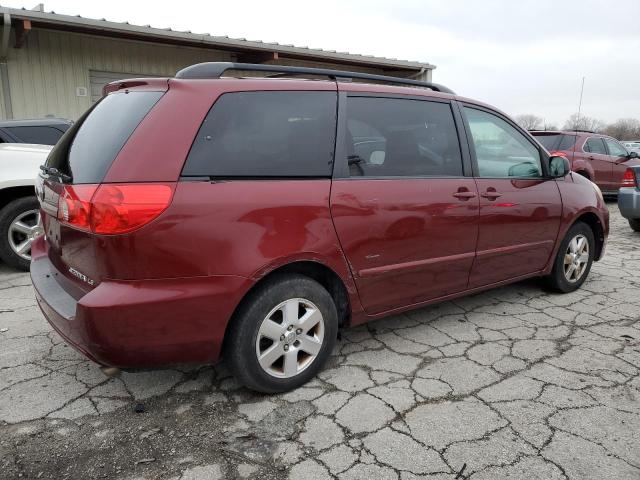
(634, 223)
(19, 225)
(282, 334)
(573, 260)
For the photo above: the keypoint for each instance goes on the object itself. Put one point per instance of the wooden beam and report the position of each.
(22, 30)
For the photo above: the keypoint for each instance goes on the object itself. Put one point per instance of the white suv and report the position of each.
(19, 208)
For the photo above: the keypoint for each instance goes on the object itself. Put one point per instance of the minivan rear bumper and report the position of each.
(141, 323)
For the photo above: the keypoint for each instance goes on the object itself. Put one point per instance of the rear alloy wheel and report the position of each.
(289, 338)
(573, 260)
(282, 334)
(634, 223)
(19, 226)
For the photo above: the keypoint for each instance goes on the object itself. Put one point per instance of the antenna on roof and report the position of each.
(580, 104)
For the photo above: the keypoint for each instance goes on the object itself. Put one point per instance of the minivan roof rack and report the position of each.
(217, 69)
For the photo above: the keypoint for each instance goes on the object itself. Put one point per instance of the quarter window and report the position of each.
(595, 145)
(501, 150)
(266, 134)
(615, 148)
(389, 137)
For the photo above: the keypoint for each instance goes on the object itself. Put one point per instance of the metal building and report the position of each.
(56, 65)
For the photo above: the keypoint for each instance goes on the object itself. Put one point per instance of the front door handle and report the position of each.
(491, 194)
(464, 195)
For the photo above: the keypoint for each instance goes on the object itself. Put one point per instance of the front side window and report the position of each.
(266, 134)
(615, 148)
(390, 137)
(501, 150)
(595, 145)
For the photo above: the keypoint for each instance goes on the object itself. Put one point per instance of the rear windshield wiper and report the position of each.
(54, 172)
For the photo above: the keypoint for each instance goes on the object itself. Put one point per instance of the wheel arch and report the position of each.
(315, 270)
(12, 193)
(592, 220)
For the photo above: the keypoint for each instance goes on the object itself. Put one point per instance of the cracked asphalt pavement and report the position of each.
(511, 383)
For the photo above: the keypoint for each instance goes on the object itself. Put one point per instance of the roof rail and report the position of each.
(217, 69)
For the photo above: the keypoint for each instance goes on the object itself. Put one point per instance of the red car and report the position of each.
(197, 217)
(600, 158)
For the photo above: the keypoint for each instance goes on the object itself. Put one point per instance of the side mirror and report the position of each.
(633, 155)
(559, 167)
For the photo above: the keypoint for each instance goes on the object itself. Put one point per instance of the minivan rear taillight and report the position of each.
(629, 179)
(110, 209)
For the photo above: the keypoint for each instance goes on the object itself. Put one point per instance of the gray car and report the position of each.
(629, 197)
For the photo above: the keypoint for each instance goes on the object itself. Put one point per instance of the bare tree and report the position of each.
(529, 121)
(582, 122)
(624, 129)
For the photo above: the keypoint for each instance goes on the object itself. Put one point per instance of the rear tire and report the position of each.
(282, 334)
(573, 260)
(15, 217)
(634, 223)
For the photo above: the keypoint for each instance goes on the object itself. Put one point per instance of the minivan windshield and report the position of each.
(90, 146)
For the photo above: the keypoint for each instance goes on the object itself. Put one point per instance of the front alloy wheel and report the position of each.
(19, 226)
(22, 232)
(573, 260)
(576, 258)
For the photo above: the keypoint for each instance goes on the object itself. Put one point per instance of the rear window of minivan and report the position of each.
(90, 146)
(266, 134)
(555, 141)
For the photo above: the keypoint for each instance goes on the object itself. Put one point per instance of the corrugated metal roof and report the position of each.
(149, 33)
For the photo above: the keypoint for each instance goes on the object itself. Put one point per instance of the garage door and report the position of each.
(98, 79)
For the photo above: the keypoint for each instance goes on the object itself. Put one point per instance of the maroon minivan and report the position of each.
(204, 216)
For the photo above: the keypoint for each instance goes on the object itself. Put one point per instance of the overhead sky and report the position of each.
(524, 56)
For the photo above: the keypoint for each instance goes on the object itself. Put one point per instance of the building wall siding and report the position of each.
(44, 73)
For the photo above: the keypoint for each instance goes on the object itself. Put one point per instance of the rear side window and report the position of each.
(389, 137)
(91, 145)
(266, 134)
(36, 134)
(595, 145)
